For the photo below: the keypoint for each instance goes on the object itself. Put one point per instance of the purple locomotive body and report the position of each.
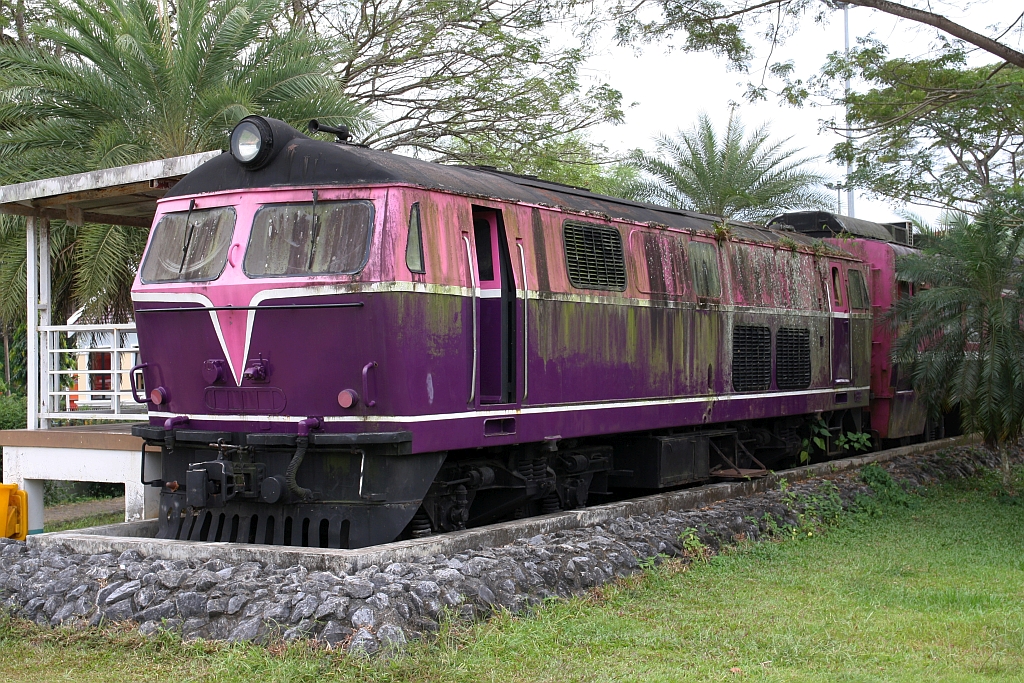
(343, 346)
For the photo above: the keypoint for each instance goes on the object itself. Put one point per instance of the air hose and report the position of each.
(301, 443)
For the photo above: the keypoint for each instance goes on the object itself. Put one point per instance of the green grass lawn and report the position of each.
(926, 593)
(100, 519)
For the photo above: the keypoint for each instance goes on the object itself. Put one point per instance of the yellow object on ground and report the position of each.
(15, 502)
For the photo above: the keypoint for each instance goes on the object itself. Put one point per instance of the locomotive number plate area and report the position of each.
(245, 400)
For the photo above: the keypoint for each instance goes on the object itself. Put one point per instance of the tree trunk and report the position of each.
(19, 22)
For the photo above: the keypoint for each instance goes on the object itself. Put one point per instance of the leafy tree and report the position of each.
(120, 82)
(474, 81)
(111, 82)
(745, 178)
(721, 25)
(932, 130)
(961, 335)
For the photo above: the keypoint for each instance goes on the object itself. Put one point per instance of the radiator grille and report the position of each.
(751, 358)
(793, 358)
(593, 255)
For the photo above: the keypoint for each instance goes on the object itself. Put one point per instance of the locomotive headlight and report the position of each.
(252, 141)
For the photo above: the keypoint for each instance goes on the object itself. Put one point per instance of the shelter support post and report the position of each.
(37, 297)
(32, 327)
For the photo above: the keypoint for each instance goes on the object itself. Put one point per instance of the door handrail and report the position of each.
(472, 281)
(526, 322)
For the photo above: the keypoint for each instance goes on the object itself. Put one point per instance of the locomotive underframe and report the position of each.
(356, 490)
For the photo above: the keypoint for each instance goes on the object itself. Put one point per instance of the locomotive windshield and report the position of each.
(328, 238)
(189, 246)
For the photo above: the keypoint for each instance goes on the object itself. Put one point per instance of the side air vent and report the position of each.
(751, 358)
(593, 256)
(793, 358)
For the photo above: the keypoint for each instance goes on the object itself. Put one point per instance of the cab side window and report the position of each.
(837, 286)
(414, 245)
(858, 291)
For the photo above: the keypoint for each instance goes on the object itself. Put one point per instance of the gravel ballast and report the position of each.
(382, 607)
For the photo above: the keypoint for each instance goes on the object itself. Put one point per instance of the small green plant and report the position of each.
(816, 441)
(854, 441)
(887, 490)
(723, 231)
(693, 547)
(788, 243)
(652, 561)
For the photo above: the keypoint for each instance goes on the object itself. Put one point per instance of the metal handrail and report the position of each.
(60, 399)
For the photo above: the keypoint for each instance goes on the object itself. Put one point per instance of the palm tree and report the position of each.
(112, 82)
(752, 179)
(961, 335)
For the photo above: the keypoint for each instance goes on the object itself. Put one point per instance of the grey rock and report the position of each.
(194, 628)
(226, 573)
(77, 592)
(119, 611)
(216, 607)
(357, 587)
(191, 604)
(363, 642)
(248, 630)
(378, 601)
(363, 618)
(52, 604)
(425, 589)
(129, 556)
(205, 580)
(235, 604)
(149, 628)
(333, 606)
(448, 575)
(170, 578)
(391, 636)
(278, 611)
(335, 633)
(105, 592)
(304, 608)
(486, 594)
(164, 610)
(300, 630)
(64, 613)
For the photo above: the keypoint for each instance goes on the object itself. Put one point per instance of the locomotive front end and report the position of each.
(260, 305)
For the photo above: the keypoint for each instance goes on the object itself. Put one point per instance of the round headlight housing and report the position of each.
(252, 140)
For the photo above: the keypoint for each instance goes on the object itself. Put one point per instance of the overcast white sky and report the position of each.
(670, 89)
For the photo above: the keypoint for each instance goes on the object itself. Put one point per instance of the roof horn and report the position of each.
(340, 131)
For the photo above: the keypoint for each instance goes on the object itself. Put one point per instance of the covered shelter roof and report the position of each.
(125, 195)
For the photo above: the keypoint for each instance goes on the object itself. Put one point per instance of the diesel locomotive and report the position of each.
(342, 346)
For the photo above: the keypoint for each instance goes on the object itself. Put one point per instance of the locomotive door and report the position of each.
(841, 342)
(496, 336)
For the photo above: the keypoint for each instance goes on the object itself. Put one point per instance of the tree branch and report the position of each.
(943, 24)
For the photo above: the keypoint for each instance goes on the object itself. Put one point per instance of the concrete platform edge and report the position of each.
(117, 538)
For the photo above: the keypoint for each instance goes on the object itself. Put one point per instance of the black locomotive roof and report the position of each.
(825, 224)
(303, 161)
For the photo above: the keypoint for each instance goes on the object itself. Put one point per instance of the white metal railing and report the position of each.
(85, 372)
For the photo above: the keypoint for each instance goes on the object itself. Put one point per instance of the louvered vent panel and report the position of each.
(793, 358)
(594, 257)
(751, 358)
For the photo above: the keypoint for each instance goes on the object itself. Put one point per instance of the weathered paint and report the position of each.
(598, 362)
(894, 414)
